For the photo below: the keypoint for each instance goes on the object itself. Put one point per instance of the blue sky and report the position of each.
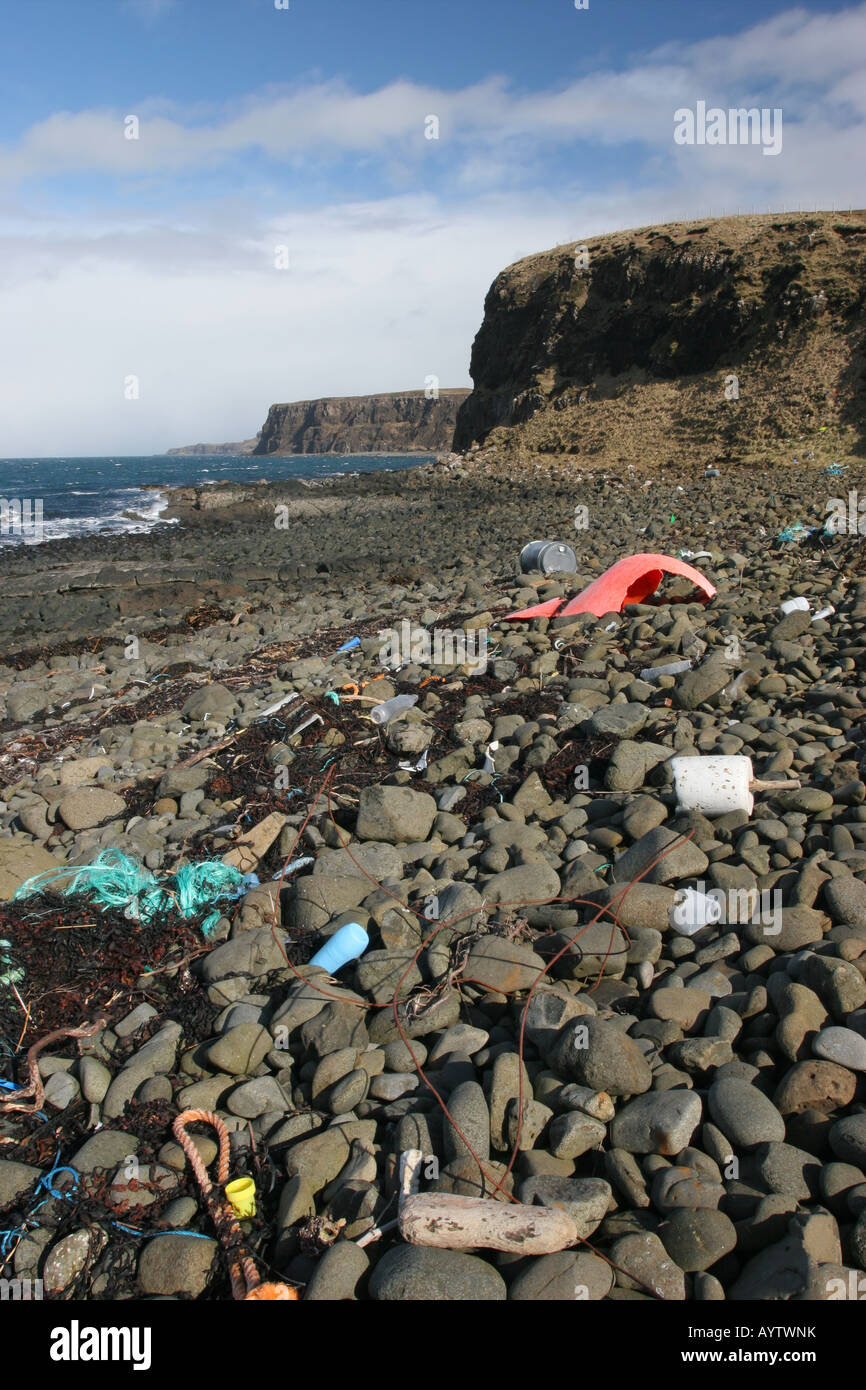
(300, 136)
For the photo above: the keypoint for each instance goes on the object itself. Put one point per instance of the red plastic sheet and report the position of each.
(630, 580)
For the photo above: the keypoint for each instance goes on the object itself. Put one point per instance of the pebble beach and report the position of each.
(679, 1109)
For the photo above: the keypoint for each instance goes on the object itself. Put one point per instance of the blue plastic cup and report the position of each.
(346, 944)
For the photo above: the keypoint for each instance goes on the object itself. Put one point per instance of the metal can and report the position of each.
(550, 557)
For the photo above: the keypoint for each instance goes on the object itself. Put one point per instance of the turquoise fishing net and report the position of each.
(115, 880)
(794, 533)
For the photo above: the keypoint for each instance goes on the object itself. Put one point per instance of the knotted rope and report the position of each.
(243, 1274)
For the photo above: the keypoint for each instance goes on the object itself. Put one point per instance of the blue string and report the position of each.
(131, 1230)
(46, 1182)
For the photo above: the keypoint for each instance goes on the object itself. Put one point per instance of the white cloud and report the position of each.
(812, 64)
(383, 291)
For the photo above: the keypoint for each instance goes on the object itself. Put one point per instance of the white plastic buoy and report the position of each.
(795, 605)
(692, 911)
(715, 786)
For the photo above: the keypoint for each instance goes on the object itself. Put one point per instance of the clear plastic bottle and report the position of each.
(381, 714)
(673, 668)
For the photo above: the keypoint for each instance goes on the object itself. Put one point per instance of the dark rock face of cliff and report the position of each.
(634, 353)
(397, 423)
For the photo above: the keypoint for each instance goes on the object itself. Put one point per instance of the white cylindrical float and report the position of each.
(713, 786)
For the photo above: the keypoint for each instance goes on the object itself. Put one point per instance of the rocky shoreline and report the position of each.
(693, 1104)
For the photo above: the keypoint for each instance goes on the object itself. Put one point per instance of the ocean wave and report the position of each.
(125, 517)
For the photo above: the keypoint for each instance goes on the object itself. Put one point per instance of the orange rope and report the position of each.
(243, 1274)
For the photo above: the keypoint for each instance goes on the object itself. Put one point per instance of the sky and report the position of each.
(207, 206)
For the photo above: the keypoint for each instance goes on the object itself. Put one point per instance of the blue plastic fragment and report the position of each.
(348, 646)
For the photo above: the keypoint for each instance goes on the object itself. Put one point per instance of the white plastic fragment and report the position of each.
(824, 613)
(795, 605)
(691, 911)
(407, 766)
(313, 719)
(272, 709)
(489, 765)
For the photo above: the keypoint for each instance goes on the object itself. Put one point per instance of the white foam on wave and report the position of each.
(136, 518)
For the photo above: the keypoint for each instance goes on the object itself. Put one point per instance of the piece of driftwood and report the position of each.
(468, 1223)
(253, 846)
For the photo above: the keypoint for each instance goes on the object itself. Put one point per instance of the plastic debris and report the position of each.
(243, 1274)
(489, 764)
(346, 944)
(313, 719)
(420, 766)
(382, 714)
(630, 580)
(116, 880)
(824, 613)
(350, 645)
(293, 868)
(795, 605)
(673, 668)
(715, 786)
(834, 469)
(272, 709)
(242, 1197)
(794, 534)
(692, 911)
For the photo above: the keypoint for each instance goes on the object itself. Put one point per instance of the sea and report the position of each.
(45, 499)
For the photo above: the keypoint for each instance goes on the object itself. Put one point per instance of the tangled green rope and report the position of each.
(115, 880)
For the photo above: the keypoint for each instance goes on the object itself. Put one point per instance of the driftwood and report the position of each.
(250, 848)
(468, 1223)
